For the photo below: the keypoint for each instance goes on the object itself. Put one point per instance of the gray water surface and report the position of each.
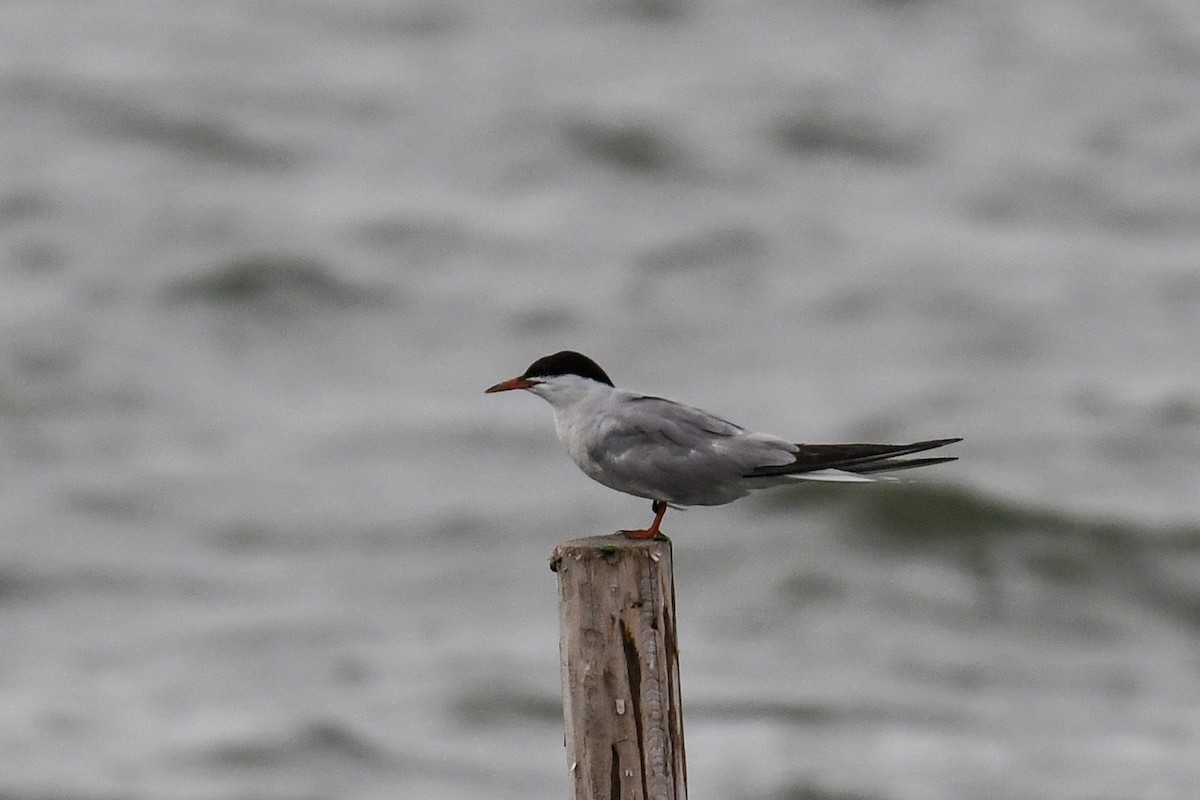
(262, 535)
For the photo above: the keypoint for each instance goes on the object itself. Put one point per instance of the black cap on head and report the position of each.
(567, 362)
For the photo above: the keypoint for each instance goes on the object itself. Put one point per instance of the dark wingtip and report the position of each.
(897, 464)
(856, 457)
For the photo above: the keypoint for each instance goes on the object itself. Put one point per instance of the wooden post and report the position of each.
(620, 669)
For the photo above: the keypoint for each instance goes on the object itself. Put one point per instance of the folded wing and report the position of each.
(678, 453)
(686, 456)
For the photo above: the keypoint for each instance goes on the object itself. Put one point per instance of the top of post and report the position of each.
(611, 545)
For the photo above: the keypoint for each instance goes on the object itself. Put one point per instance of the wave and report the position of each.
(995, 540)
(916, 512)
(213, 136)
(268, 280)
(319, 738)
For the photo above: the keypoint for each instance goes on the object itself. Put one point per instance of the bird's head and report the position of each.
(560, 379)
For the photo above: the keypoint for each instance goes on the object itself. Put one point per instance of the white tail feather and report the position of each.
(831, 476)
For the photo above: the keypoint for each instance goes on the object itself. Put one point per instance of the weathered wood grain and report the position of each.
(620, 669)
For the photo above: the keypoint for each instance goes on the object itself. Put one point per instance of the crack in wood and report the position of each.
(674, 700)
(658, 745)
(614, 775)
(633, 669)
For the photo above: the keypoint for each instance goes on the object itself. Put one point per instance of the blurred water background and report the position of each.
(262, 535)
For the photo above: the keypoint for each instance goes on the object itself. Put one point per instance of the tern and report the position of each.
(676, 455)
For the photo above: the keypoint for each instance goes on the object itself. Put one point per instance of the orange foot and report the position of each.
(660, 509)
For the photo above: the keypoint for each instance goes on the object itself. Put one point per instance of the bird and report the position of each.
(676, 455)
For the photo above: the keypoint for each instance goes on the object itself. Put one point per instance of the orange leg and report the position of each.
(660, 509)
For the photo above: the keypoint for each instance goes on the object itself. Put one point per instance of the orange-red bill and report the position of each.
(511, 383)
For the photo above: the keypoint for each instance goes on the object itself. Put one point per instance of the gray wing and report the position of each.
(668, 451)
